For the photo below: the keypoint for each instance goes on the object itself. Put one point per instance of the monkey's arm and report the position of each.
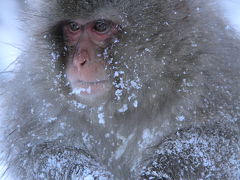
(196, 153)
(53, 162)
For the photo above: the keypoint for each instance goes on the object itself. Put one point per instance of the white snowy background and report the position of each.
(11, 35)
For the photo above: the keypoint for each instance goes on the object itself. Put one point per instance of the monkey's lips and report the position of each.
(92, 82)
(91, 88)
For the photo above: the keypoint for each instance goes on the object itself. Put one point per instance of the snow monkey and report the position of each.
(123, 89)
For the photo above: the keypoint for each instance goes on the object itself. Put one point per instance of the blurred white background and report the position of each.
(231, 11)
(10, 33)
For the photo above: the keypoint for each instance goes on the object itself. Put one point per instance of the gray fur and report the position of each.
(180, 84)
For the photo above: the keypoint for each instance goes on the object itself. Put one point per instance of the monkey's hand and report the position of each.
(196, 153)
(54, 162)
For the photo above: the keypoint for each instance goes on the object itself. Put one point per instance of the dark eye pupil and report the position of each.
(74, 26)
(101, 25)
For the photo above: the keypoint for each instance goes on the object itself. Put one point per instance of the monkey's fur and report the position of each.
(177, 114)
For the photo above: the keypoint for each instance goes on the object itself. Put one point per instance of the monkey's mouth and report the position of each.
(91, 88)
(92, 82)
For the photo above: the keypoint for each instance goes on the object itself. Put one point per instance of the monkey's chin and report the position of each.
(92, 93)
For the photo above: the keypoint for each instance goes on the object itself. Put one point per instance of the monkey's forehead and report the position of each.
(86, 9)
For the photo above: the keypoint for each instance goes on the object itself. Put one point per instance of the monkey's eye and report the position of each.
(74, 26)
(102, 26)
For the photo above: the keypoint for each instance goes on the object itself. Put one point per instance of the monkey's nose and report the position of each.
(81, 58)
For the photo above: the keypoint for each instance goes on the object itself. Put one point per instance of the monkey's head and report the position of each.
(98, 55)
(112, 55)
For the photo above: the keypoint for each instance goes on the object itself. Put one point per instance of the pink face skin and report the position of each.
(86, 68)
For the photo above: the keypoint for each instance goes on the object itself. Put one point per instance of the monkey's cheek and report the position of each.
(91, 90)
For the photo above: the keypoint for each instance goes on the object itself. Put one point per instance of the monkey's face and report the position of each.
(86, 67)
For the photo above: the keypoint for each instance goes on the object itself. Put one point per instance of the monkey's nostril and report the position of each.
(82, 63)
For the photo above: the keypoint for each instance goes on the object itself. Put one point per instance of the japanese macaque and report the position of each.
(123, 89)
